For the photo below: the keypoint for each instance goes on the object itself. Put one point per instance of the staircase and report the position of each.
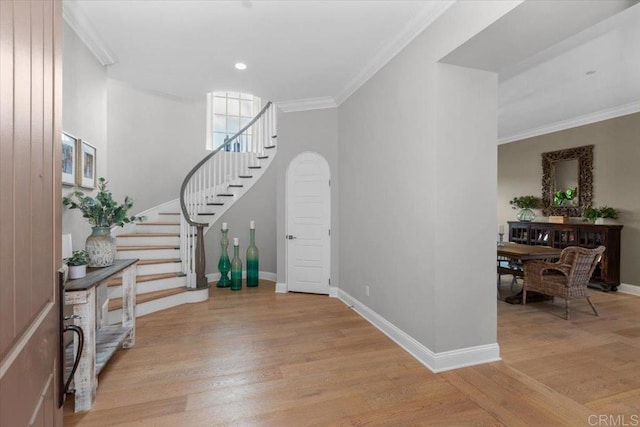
(167, 241)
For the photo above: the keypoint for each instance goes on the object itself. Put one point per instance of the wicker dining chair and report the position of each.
(568, 278)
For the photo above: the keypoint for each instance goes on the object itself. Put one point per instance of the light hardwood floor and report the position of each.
(257, 358)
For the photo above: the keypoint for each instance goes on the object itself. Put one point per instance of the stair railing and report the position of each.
(208, 183)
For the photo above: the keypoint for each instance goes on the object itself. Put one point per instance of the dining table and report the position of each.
(517, 255)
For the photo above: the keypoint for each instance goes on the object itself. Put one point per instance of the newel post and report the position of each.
(201, 279)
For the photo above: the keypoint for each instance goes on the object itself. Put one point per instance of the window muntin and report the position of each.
(228, 113)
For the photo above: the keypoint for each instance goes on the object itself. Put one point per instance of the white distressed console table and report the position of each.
(99, 343)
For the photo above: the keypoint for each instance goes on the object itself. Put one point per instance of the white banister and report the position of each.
(212, 176)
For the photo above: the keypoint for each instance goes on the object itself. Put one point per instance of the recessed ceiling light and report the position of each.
(240, 66)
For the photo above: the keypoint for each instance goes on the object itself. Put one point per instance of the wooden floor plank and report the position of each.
(255, 357)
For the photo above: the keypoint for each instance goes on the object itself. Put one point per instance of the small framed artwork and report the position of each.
(69, 146)
(86, 165)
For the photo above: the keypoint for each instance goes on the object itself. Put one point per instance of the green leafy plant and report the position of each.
(525, 202)
(591, 214)
(101, 211)
(559, 196)
(77, 258)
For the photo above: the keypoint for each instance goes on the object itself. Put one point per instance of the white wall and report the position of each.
(84, 115)
(154, 140)
(299, 132)
(418, 188)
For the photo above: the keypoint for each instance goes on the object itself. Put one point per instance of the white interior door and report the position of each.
(308, 224)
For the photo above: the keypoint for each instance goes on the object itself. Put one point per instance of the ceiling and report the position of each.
(313, 54)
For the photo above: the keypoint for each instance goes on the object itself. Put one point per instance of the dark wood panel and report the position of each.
(585, 235)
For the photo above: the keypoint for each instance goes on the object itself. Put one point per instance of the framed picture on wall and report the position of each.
(86, 165)
(69, 159)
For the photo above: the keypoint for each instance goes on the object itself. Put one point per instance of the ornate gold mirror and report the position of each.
(564, 169)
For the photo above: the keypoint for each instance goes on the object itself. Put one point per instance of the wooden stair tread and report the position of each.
(116, 303)
(245, 176)
(255, 167)
(206, 213)
(168, 213)
(149, 235)
(262, 157)
(225, 195)
(116, 281)
(236, 185)
(268, 147)
(215, 204)
(158, 223)
(146, 248)
(158, 261)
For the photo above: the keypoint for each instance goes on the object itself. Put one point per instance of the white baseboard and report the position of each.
(629, 289)
(333, 291)
(281, 288)
(266, 275)
(436, 362)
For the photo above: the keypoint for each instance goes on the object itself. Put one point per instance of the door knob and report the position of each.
(290, 237)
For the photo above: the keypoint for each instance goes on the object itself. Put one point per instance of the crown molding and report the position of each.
(78, 21)
(307, 104)
(417, 25)
(586, 119)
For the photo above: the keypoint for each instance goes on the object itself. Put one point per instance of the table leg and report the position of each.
(129, 304)
(85, 380)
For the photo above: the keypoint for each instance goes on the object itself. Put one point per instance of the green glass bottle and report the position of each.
(224, 265)
(252, 258)
(236, 267)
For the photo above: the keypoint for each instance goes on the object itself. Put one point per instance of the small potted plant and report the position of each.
(102, 212)
(563, 198)
(598, 215)
(525, 204)
(77, 264)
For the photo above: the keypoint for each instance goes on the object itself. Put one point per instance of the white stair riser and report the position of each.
(157, 228)
(167, 267)
(145, 240)
(149, 307)
(151, 286)
(148, 254)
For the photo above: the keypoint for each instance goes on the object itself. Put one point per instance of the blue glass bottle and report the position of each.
(252, 258)
(224, 265)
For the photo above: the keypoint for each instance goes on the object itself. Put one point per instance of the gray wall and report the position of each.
(84, 115)
(615, 176)
(259, 204)
(299, 132)
(417, 149)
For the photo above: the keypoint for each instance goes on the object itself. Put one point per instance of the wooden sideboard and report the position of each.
(585, 235)
(100, 343)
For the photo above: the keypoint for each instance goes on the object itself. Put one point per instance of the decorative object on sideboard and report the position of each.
(559, 219)
(565, 197)
(77, 263)
(224, 265)
(602, 215)
(568, 168)
(102, 212)
(525, 204)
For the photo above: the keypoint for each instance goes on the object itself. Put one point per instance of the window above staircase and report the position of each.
(227, 113)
